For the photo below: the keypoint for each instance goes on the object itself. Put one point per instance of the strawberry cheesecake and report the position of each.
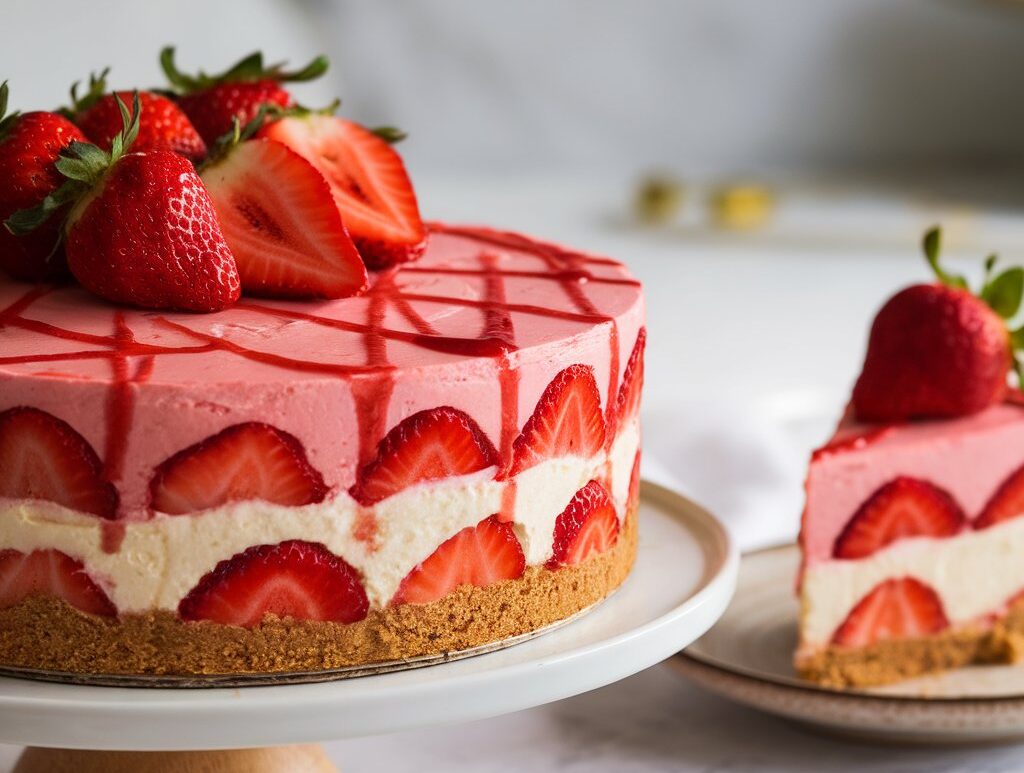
(914, 522)
(256, 416)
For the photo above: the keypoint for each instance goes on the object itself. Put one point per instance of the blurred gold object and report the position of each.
(742, 207)
(659, 199)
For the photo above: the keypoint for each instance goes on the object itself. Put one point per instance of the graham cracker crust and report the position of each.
(46, 633)
(891, 661)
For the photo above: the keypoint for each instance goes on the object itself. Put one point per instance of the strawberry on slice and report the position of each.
(478, 555)
(162, 126)
(937, 350)
(244, 461)
(42, 457)
(50, 573)
(894, 609)
(1006, 503)
(293, 579)
(142, 229)
(628, 402)
(30, 143)
(279, 219)
(368, 179)
(214, 102)
(903, 507)
(430, 445)
(566, 422)
(586, 527)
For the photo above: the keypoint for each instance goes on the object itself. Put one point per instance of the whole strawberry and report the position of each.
(937, 350)
(213, 102)
(142, 229)
(29, 146)
(163, 127)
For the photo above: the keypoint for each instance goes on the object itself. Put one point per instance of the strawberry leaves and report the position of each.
(1002, 292)
(6, 121)
(249, 68)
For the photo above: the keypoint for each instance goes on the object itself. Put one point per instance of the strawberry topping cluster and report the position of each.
(188, 197)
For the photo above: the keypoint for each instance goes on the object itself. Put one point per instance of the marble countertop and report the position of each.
(755, 337)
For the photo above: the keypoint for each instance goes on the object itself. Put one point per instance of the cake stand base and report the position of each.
(310, 758)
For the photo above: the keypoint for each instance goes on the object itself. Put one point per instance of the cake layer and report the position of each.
(975, 574)
(161, 559)
(967, 457)
(46, 633)
(481, 323)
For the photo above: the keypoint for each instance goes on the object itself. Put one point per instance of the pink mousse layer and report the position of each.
(481, 323)
(968, 457)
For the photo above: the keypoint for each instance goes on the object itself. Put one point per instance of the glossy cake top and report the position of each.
(475, 293)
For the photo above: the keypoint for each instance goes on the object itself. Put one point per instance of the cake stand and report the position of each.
(683, 580)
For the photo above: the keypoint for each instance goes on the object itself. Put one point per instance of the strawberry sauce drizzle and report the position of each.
(374, 381)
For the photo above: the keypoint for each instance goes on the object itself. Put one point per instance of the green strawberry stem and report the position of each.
(389, 134)
(6, 121)
(83, 164)
(1002, 292)
(249, 68)
(96, 89)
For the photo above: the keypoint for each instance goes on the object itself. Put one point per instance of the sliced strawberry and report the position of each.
(1006, 503)
(42, 457)
(628, 402)
(244, 461)
(50, 573)
(369, 182)
(633, 499)
(429, 445)
(478, 555)
(279, 219)
(300, 580)
(904, 507)
(586, 527)
(894, 609)
(566, 422)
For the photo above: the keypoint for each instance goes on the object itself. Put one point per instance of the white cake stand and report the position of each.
(682, 582)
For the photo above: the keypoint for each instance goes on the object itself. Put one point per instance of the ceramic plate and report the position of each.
(683, 579)
(747, 657)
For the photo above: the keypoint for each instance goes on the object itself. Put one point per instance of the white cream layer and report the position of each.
(974, 573)
(162, 559)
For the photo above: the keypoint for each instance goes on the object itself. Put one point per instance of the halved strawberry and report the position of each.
(894, 609)
(42, 457)
(633, 499)
(429, 445)
(628, 402)
(370, 185)
(244, 461)
(300, 580)
(279, 219)
(478, 555)
(903, 507)
(587, 526)
(1006, 503)
(50, 573)
(566, 422)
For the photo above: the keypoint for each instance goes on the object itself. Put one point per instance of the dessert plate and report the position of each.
(746, 657)
(683, 579)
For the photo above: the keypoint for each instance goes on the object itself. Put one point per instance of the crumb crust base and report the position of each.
(45, 633)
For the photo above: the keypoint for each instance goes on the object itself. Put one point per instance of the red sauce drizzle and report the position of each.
(374, 381)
